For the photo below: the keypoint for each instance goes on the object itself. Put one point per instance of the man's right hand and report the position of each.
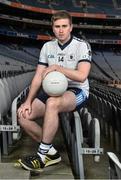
(24, 110)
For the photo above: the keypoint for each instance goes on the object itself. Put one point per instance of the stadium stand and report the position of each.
(25, 26)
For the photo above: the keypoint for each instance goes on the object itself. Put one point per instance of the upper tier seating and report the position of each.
(99, 6)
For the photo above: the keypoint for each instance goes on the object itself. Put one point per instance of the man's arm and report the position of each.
(36, 83)
(80, 74)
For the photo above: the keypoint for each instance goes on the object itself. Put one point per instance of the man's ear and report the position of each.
(71, 27)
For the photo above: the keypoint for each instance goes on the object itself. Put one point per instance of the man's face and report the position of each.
(62, 29)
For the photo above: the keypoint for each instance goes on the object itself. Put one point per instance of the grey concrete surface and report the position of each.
(8, 171)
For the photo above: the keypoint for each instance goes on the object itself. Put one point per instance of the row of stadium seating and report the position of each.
(17, 67)
(11, 87)
(105, 104)
(82, 135)
(87, 6)
(18, 55)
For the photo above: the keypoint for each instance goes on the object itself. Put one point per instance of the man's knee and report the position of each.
(52, 103)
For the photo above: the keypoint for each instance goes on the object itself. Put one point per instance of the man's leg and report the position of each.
(47, 155)
(55, 105)
(28, 123)
(35, 131)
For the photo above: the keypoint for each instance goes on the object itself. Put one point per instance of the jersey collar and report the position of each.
(66, 44)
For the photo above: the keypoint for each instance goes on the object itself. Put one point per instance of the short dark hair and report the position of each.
(61, 15)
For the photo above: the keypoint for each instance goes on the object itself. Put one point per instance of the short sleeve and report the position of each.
(84, 52)
(43, 56)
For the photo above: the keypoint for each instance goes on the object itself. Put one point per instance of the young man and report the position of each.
(72, 57)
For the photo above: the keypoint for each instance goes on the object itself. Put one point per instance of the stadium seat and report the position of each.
(5, 98)
(114, 166)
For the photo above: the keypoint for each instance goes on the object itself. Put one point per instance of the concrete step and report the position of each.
(59, 171)
(8, 171)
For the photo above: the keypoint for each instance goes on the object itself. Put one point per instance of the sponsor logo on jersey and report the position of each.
(50, 56)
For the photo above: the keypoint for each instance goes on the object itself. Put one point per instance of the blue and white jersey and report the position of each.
(68, 55)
